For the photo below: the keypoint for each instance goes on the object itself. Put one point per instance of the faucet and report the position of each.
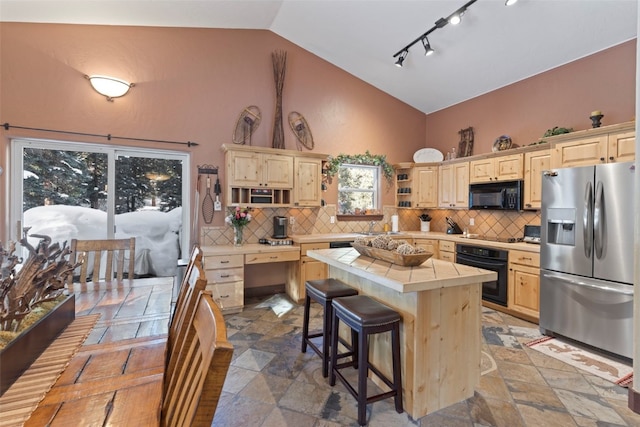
(371, 225)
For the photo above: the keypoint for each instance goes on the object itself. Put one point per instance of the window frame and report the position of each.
(376, 192)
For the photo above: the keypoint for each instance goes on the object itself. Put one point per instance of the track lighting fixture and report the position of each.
(510, 2)
(428, 50)
(453, 19)
(401, 58)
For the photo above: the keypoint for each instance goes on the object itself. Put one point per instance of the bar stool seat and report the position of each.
(323, 292)
(366, 316)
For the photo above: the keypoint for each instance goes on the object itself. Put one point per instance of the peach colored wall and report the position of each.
(191, 85)
(563, 97)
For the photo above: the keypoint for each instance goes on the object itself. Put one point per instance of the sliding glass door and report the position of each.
(90, 191)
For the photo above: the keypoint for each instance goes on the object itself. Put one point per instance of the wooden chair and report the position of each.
(96, 249)
(194, 385)
(193, 283)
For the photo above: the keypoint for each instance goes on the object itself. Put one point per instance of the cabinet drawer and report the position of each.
(448, 256)
(224, 275)
(524, 258)
(228, 295)
(312, 246)
(447, 246)
(212, 262)
(272, 257)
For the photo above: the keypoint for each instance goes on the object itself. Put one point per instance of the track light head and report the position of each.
(510, 2)
(456, 18)
(428, 50)
(401, 58)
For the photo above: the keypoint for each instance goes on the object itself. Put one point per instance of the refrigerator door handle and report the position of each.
(588, 285)
(587, 221)
(598, 224)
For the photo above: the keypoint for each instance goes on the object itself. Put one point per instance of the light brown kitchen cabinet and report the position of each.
(425, 180)
(225, 280)
(447, 250)
(534, 163)
(308, 181)
(499, 168)
(430, 245)
(305, 269)
(453, 185)
(404, 184)
(258, 176)
(259, 170)
(523, 289)
(595, 146)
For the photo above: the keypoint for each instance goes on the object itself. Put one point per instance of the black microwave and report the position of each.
(505, 195)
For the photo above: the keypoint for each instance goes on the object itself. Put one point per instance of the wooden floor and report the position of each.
(127, 346)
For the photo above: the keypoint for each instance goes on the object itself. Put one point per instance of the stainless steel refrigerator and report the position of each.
(586, 255)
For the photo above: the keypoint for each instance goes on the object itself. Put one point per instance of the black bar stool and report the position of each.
(323, 292)
(366, 316)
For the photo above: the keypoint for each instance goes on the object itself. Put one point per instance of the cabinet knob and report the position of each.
(602, 159)
(611, 158)
(528, 205)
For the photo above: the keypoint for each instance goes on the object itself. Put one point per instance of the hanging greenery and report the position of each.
(333, 164)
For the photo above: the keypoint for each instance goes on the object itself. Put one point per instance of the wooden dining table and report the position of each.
(122, 358)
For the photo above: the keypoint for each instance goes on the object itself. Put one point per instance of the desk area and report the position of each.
(224, 268)
(440, 306)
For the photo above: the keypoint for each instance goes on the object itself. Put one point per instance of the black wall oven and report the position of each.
(488, 259)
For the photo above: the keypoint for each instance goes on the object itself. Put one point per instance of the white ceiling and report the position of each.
(494, 45)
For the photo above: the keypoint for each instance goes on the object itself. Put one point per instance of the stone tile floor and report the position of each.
(272, 384)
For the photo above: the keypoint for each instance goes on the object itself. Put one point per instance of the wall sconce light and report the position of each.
(110, 87)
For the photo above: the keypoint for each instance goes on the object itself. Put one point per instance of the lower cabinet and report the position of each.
(305, 269)
(523, 293)
(225, 280)
(430, 245)
(447, 251)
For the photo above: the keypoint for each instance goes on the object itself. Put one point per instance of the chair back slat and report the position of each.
(194, 282)
(94, 249)
(196, 382)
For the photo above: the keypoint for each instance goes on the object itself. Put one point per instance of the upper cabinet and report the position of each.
(426, 183)
(453, 185)
(500, 168)
(308, 182)
(608, 144)
(261, 170)
(272, 177)
(534, 163)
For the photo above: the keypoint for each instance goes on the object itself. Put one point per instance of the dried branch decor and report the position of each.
(41, 278)
(279, 59)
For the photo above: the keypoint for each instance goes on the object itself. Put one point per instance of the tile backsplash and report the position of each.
(318, 221)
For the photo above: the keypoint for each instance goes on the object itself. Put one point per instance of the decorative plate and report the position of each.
(502, 143)
(427, 155)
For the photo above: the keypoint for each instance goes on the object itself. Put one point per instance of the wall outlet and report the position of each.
(292, 220)
(332, 219)
(472, 221)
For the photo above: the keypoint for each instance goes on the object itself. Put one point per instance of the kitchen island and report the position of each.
(440, 332)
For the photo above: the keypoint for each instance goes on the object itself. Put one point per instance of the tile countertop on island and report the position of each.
(432, 274)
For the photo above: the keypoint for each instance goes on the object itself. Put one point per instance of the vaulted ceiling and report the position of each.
(494, 46)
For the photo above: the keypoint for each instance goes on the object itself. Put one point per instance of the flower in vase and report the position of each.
(239, 217)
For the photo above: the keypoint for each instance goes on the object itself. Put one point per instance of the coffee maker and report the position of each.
(279, 227)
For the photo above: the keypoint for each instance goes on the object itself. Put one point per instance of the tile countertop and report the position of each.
(247, 248)
(457, 238)
(430, 275)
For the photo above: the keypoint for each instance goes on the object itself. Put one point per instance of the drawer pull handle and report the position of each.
(224, 296)
(526, 258)
(224, 262)
(225, 275)
(273, 257)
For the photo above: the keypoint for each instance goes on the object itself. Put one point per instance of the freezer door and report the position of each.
(567, 218)
(594, 312)
(613, 222)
